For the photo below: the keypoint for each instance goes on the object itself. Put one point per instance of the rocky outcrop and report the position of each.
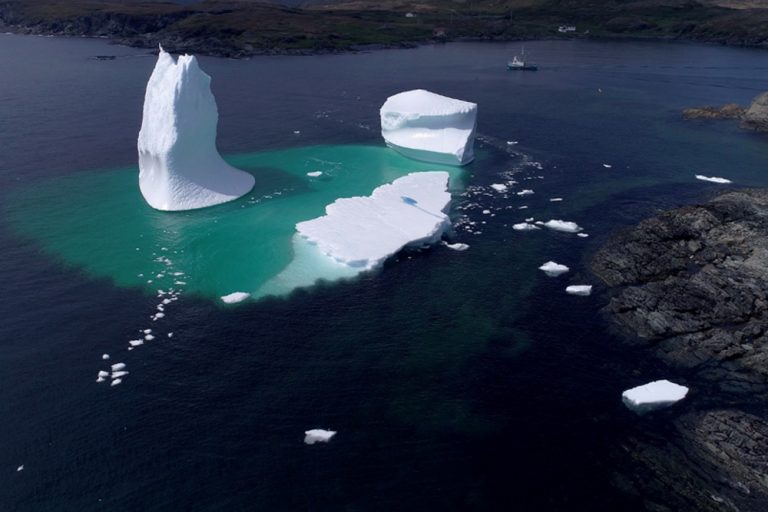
(753, 118)
(711, 461)
(756, 116)
(729, 111)
(692, 285)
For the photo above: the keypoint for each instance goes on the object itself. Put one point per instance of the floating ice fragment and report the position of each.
(553, 269)
(315, 174)
(511, 142)
(117, 375)
(525, 192)
(486, 212)
(555, 199)
(582, 235)
(524, 226)
(136, 343)
(147, 331)
(103, 374)
(235, 297)
(579, 289)
(179, 166)
(115, 382)
(149, 337)
(362, 232)
(20, 468)
(426, 126)
(607, 166)
(563, 225)
(713, 179)
(654, 395)
(105, 356)
(457, 246)
(499, 187)
(118, 366)
(318, 435)
(170, 335)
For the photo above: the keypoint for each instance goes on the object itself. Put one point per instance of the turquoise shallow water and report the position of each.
(98, 221)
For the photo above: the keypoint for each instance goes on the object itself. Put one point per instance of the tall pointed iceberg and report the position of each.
(179, 165)
(426, 126)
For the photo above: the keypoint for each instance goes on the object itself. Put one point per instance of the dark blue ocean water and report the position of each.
(468, 383)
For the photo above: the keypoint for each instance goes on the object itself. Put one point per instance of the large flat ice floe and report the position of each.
(179, 165)
(426, 126)
(654, 395)
(362, 232)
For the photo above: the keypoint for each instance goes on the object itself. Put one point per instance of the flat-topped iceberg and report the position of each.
(362, 232)
(654, 395)
(318, 435)
(426, 126)
(179, 165)
(553, 269)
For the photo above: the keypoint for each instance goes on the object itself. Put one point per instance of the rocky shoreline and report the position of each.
(754, 117)
(692, 285)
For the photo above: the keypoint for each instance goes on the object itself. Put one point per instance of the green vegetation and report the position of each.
(237, 28)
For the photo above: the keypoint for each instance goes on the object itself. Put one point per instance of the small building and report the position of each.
(565, 29)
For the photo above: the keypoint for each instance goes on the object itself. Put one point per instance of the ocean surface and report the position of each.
(456, 380)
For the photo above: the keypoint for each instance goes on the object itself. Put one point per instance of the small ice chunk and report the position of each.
(525, 192)
(315, 174)
(117, 375)
(582, 235)
(457, 246)
(555, 199)
(607, 166)
(20, 468)
(147, 331)
(118, 366)
(235, 297)
(149, 337)
(116, 382)
(524, 226)
(713, 179)
(103, 374)
(499, 187)
(579, 289)
(553, 269)
(318, 435)
(296, 132)
(486, 212)
(170, 335)
(136, 343)
(654, 395)
(159, 315)
(511, 142)
(522, 208)
(105, 356)
(530, 219)
(563, 225)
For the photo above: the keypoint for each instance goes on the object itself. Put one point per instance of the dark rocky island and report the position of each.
(692, 285)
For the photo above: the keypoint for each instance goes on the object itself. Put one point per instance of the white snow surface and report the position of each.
(362, 232)
(234, 298)
(713, 179)
(318, 435)
(654, 395)
(563, 225)
(179, 165)
(579, 289)
(426, 126)
(553, 269)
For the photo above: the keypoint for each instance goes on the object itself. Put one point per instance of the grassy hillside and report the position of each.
(245, 27)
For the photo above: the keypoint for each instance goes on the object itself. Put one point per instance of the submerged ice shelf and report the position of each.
(179, 165)
(426, 126)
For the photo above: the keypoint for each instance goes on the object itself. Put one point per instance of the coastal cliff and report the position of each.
(754, 117)
(692, 285)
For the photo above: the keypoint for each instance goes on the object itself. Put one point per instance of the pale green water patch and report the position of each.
(99, 222)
